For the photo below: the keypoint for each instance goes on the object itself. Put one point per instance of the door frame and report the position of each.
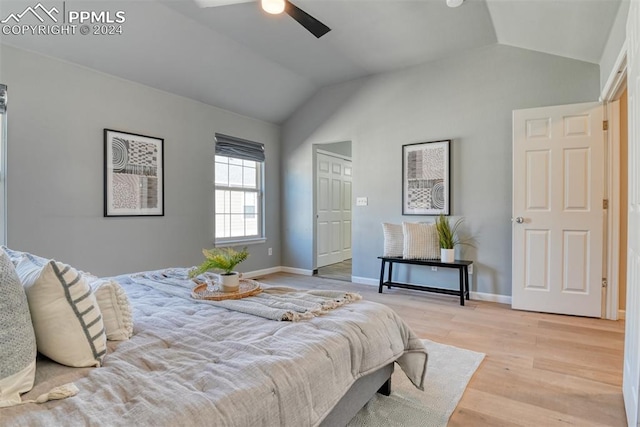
(3, 163)
(317, 148)
(613, 88)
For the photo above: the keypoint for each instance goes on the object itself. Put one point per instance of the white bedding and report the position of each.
(194, 364)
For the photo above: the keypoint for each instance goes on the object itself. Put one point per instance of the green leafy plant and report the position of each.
(224, 259)
(448, 234)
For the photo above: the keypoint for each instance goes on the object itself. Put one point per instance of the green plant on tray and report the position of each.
(222, 259)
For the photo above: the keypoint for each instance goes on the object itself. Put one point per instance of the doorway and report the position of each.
(333, 173)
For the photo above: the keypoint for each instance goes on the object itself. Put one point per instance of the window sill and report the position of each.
(239, 242)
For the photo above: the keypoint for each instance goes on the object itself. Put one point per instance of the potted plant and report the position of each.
(224, 260)
(448, 237)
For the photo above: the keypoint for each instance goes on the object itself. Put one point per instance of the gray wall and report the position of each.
(339, 148)
(57, 112)
(616, 39)
(467, 98)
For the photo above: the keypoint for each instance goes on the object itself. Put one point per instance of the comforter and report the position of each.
(192, 363)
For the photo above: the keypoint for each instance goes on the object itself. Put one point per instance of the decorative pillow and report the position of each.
(66, 317)
(17, 339)
(115, 308)
(393, 239)
(420, 241)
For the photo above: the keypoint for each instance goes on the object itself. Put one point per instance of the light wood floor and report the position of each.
(539, 370)
(339, 271)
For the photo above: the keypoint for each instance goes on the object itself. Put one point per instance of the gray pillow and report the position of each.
(17, 339)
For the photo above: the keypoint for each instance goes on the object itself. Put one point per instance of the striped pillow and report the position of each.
(420, 241)
(66, 318)
(393, 239)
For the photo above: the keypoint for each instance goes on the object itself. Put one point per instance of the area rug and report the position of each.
(448, 372)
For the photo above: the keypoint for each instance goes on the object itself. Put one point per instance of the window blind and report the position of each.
(239, 148)
(3, 99)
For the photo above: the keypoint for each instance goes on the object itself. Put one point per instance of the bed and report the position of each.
(198, 363)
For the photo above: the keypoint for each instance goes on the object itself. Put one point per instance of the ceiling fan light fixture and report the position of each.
(273, 7)
(454, 3)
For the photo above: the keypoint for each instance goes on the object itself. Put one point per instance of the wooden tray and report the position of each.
(247, 288)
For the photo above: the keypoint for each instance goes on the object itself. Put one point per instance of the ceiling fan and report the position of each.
(275, 7)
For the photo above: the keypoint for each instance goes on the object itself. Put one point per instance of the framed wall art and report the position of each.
(426, 178)
(133, 174)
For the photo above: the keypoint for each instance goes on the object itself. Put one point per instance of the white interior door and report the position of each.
(558, 187)
(347, 201)
(333, 201)
(631, 370)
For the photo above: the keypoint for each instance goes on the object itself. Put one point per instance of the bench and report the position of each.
(461, 265)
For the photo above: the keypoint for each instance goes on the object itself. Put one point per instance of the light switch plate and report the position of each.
(362, 201)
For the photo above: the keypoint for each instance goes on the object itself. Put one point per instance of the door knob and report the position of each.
(519, 220)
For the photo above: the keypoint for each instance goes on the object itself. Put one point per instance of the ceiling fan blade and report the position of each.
(215, 3)
(314, 26)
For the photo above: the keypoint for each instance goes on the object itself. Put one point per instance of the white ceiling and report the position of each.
(239, 58)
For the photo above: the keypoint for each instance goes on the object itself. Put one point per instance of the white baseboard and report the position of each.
(365, 281)
(621, 314)
(481, 296)
(293, 270)
(263, 272)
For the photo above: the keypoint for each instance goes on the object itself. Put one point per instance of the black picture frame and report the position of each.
(426, 178)
(133, 174)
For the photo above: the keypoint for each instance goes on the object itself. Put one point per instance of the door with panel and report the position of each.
(558, 187)
(347, 214)
(333, 202)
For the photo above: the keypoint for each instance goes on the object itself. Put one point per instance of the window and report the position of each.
(238, 190)
(3, 164)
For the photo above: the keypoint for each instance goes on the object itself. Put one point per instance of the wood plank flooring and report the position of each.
(540, 369)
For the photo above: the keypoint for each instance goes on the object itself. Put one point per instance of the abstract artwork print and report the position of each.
(133, 174)
(425, 178)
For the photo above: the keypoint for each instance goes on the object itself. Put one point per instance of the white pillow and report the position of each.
(17, 339)
(393, 239)
(66, 317)
(115, 308)
(420, 241)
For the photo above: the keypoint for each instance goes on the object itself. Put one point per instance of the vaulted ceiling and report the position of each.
(239, 58)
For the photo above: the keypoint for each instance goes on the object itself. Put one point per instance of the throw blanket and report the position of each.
(274, 303)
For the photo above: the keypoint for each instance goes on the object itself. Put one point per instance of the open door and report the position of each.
(333, 202)
(558, 187)
(631, 370)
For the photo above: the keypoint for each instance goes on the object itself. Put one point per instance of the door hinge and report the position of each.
(605, 203)
(605, 125)
(604, 282)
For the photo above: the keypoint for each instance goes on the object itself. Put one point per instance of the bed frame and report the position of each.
(358, 395)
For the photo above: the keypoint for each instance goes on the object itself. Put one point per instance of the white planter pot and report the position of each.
(230, 282)
(447, 255)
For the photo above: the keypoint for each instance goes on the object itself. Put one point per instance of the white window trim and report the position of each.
(239, 240)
